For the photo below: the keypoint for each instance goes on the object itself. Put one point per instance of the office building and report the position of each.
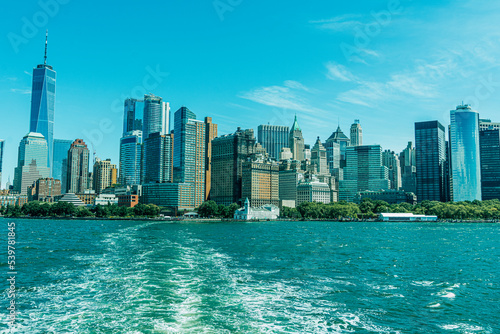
(60, 162)
(356, 134)
(430, 156)
(32, 162)
(156, 116)
(78, 167)
(318, 158)
(391, 161)
(133, 116)
(43, 96)
(364, 171)
(487, 124)
(228, 154)
(311, 189)
(189, 152)
(104, 175)
(210, 134)
(260, 182)
(273, 138)
(296, 141)
(489, 142)
(465, 154)
(130, 158)
(408, 166)
(158, 158)
(169, 195)
(289, 177)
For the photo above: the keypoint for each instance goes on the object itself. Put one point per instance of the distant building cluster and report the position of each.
(177, 161)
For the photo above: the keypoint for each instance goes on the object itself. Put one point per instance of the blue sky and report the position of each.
(245, 63)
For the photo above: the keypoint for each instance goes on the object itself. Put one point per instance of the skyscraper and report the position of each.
(296, 141)
(318, 157)
(228, 154)
(391, 161)
(60, 162)
(156, 116)
(489, 142)
(104, 175)
(32, 162)
(407, 161)
(339, 137)
(260, 182)
(133, 115)
(158, 156)
(1, 161)
(130, 158)
(78, 167)
(363, 171)
(189, 152)
(465, 154)
(43, 96)
(430, 155)
(210, 134)
(356, 134)
(273, 138)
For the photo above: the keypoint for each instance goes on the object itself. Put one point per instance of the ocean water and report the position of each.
(270, 277)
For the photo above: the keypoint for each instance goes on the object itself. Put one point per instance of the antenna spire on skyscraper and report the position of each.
(45, 57)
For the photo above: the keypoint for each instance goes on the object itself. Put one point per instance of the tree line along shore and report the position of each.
(367, 209)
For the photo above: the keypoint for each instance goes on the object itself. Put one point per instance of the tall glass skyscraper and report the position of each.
(32, 162)
(156, 116)
(465, 154)
(158, 150)
(430, 156)
(43, 96)
(130, 158)
(273, 138)
(60, 162)
(133, 115)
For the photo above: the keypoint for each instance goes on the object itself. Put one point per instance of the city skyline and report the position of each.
(326, 84)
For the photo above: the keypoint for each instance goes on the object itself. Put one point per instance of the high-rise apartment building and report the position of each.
(104, 175)
(130, 158)
(43, 96)
(60, 162)
(189, 152)
(296, 141)
(210, 134)
(273, 138)
(465, 154)
(78, 167)
(158, 158)
(356, 134)
(228, 154)
(363, 171)
(391, 161)
(260, 183)
(32, 162)
(156, 116)
(430, 155)
(489, 142)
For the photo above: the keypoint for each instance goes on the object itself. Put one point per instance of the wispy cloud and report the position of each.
(289, 96)
(339, 23)
(20, 91)
(339, 72)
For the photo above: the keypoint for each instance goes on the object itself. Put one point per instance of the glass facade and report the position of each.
(465, 154)
(32, 162)
(133, 115)
(130, 158)
(156, 116)
(489, 142)
(273, 138)
(60, 162)
(43, 97)
(158, 158)
(430, 156)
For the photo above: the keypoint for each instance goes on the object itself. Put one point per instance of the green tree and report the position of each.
(208, 209)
